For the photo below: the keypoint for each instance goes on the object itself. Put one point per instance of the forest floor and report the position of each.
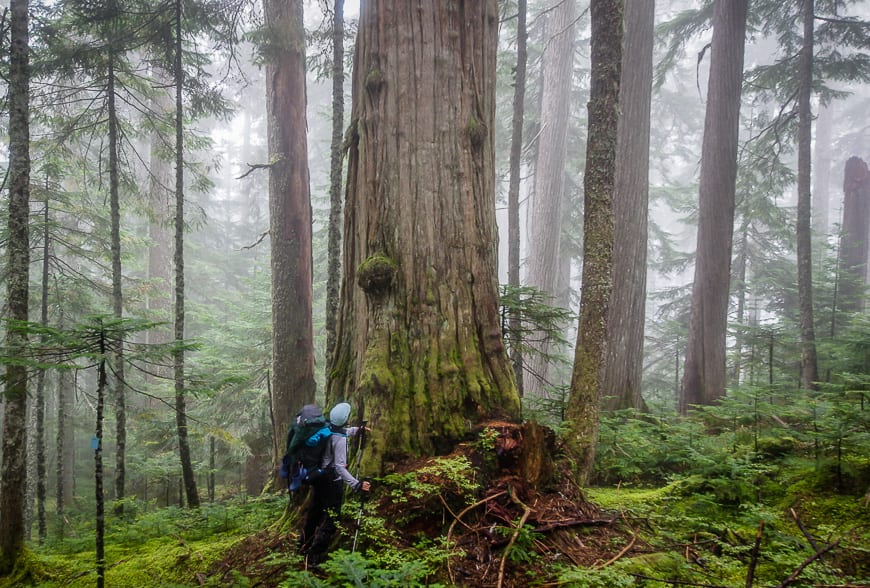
(469, 519)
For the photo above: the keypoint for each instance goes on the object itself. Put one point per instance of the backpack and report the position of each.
(307, 440)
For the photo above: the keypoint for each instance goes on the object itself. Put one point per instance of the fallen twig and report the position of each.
(458, 517)
(618, 555)
(507, 550)
(803, 529)
(750, 574)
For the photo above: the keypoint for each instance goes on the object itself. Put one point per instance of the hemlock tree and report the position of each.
(290, 217)
(621, 377)
(545, 206)
(515, 322)
(14, 470)
(598, 188)
(419, 347)
(704, 369)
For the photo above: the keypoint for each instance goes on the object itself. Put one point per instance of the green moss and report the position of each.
(374, 80)
(375, 275)
(476, 132)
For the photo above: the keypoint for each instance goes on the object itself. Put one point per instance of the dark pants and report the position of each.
(320, 522)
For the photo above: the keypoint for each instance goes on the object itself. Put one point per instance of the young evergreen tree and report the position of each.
(704, 371)
(419, 343)
(598, 189)
(13, 477)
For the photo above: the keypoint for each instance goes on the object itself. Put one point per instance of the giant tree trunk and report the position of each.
(621, 377)
(290, 218)
(13, 478)
(545, 206)
(178, 354)
(598, 188)
(809, 364)
(704, 371)
(336, 158)
(855, 236)
(419, 343)
(514, 320)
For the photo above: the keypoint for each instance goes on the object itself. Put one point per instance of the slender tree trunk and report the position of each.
(809, 364)
(333, 279)
(704, 370)
(178, 355)
(621, 378)
(822, 170)
(742, 263)
(13, 478)
(65, 468)
(855, 236)
(419, 343)
(40, 384)
(545, 208)
(117, 294)
(290, 219)
(98, 465)
(599, 184)
(514, 320)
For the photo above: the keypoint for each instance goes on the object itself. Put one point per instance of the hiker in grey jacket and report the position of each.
(320, 526)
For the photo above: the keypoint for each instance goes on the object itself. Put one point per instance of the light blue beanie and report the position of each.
(339, 414)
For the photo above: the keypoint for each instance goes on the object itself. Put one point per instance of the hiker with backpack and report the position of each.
(330, 477)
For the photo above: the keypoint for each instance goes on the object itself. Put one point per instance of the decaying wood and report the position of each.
(507, 550)
(807, 562)
(803, 529)
(750, 574)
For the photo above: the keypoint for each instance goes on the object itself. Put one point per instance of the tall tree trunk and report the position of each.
(290, 219)
(704, 370)
(117, 294)
(419, 343)
(178, 355)
(514, 320)
(809, 364)
(599, 184)
(13, 478)
(621, 377)
(822, 169)
(545, 207)
(333, 279)
(40, 383)
(855, 236)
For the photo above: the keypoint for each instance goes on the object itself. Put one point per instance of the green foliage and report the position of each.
(444, 476)
(353, 569)
(577, 577)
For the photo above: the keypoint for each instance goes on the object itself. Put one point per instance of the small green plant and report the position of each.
(487, 440)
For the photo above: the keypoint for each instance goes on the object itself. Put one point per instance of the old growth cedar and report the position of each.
(621, 378)
(290, 217)
(419, 343)
(854, 236)
(704, 368)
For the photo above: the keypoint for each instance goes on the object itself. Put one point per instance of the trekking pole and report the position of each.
(359, 514)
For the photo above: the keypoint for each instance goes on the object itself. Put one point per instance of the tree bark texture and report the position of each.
(855, 236)
(117, 294)
(809, 363)
(621, 377)
(40, 380)
(515, 320)
(65, 442)
(598, 187)
(178, 356)
(13, 478)
(545, 205)
(704, 370)
(290, 218)
(333, 278)
(420, 350)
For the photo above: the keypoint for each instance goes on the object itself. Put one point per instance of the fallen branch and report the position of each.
(618, 555)
(507, 550)
(803, 529)
(750, 574)
(807, 562)
(457, 519)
